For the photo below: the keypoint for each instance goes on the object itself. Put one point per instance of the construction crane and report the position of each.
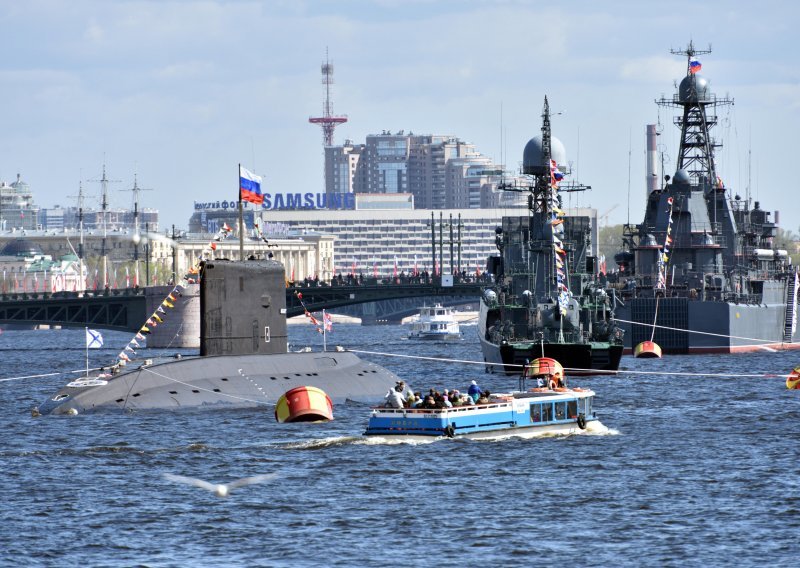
(603, 217)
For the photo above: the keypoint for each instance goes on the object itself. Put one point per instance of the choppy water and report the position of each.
(698, 471)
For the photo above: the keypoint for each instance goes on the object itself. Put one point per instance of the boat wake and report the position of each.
(593, 428)
(321, 443)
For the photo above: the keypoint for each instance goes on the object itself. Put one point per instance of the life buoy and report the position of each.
(581, 421)
(450, 431)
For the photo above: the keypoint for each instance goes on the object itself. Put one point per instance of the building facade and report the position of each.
(17, 207)
(382, 242)
(154, 258)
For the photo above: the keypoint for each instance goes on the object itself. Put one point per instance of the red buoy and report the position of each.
(647, 350)
(304, 404)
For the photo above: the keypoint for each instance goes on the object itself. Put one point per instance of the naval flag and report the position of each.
(93, 339)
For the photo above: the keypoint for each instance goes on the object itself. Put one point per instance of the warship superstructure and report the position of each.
(702, 266)
(546, 299)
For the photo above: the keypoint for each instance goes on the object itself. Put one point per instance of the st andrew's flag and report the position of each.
(93, 339)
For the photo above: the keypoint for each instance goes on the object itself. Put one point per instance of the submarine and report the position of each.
(243, 360)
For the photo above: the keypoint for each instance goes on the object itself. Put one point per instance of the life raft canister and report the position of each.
(793, 380)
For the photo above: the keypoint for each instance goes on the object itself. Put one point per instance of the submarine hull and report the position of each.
(243, 359)
(240, 381)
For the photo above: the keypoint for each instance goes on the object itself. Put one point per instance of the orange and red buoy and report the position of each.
(793, 380)
(304, 404)
(646, 350)
(544, 366)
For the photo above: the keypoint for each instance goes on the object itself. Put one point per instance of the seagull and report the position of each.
(221, 489)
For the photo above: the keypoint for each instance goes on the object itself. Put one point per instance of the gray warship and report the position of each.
(546, 299)
(243, 359)
(701, 267)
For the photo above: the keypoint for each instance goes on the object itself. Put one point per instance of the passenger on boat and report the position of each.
(394, 398)
(416, 400)
(446, 400)
(557, 381)
(428, 402)
(484, 398)
(474, 391)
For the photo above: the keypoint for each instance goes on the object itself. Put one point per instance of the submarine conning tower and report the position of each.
(242, 308)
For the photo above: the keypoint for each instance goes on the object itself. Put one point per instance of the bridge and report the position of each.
(127, 309)
(385, 298)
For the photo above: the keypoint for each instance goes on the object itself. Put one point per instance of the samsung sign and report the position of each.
(290, 201)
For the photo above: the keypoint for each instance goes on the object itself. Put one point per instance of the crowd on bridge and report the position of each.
(423, 277)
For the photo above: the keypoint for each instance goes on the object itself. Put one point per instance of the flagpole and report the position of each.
(86, 337)
(324, 331)
(241, 216)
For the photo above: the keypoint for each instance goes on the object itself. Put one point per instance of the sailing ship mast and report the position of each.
(104, 181)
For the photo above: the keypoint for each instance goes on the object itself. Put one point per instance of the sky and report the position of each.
(180, 92)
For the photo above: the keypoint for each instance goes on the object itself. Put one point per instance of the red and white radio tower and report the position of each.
(328, 120)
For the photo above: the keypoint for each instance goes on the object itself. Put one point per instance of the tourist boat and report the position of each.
(549, 409)
(435, 322)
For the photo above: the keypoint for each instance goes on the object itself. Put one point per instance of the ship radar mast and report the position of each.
(694, 96)
(543, 189)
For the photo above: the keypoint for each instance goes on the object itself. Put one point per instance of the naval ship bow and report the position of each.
(546, 300)
(701, 269)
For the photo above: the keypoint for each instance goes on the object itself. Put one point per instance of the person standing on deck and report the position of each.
(474, 391)
(394, 398)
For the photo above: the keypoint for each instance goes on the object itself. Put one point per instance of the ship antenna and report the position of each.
(502, 158)
(629, 174)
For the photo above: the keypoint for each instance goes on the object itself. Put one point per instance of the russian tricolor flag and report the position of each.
(250, 186)
(694, 66)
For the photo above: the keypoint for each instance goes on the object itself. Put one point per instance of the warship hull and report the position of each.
(576, 358)
(716, 326)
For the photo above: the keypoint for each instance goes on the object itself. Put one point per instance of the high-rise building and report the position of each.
(441, 172)
(342, 168)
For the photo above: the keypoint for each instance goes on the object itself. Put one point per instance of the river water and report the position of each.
(695, 470)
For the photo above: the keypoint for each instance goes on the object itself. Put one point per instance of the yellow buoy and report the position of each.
(647, 349)
(793, 380)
